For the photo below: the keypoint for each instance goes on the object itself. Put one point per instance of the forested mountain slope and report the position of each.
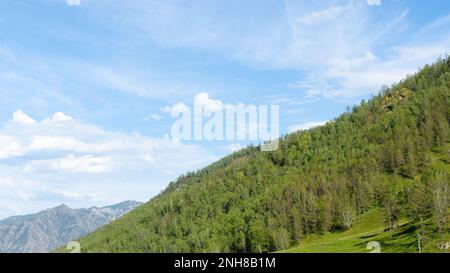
(390, 153)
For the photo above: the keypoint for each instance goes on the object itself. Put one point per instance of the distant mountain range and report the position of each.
(52, 228)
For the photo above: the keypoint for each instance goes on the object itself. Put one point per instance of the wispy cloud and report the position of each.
(347, 60)
(353, 43)
(321, 16)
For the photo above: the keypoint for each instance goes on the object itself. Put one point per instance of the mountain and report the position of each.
(46, 230)
(379, 171)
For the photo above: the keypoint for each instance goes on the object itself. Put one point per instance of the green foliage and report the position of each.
(377, 155)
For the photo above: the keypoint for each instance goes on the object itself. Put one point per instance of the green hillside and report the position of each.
(380, 172)
(368, 228)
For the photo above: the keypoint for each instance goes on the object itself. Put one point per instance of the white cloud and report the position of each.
(355, 77)
(355, 62)
(10, 147)
(58, 117)
(155, 117)
(52, 161)
(20, 117)
(373, 2)
(60, 143)
(166, 109)
(178, 108)
(306, 126)
(201, 99)
(209, 105)
(63, 134)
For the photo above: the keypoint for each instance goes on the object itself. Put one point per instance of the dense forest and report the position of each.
(391, 153)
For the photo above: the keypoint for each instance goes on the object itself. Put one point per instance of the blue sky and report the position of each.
(83, 89)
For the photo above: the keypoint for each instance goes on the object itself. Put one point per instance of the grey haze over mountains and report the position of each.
(52, 228)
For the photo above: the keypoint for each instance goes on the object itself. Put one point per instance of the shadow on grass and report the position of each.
(401, 239)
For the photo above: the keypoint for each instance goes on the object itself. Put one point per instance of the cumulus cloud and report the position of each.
(203, 100)
(22, 118)
(179, 107)
(58, 117)
(62, 134)
(208, 104)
